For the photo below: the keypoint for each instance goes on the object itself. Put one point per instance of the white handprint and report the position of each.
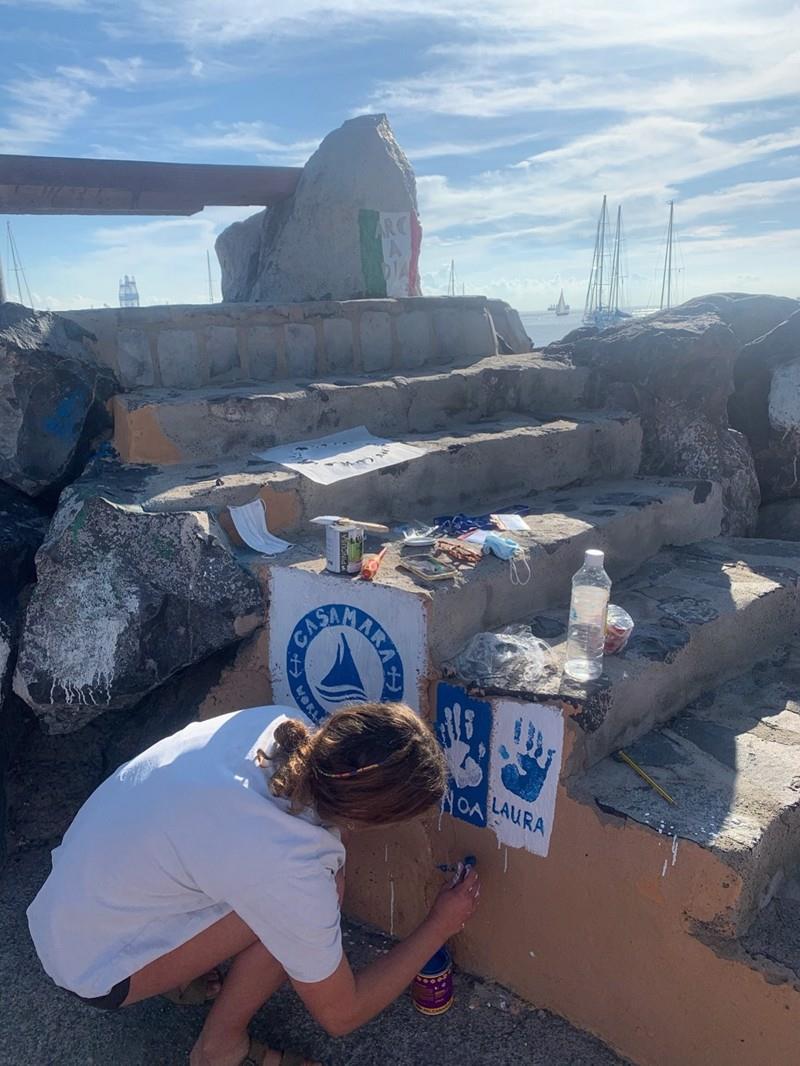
(465, 770)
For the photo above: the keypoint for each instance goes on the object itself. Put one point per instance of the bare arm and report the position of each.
(345, 1001)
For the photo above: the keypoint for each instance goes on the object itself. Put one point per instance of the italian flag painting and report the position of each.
(390, 243)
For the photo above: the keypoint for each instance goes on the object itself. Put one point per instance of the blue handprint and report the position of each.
(527, 779)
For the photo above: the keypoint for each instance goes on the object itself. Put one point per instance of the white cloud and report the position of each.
(41, 108)
(250, 137)
(120, 73)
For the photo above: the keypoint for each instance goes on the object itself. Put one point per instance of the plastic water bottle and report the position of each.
(591, 588)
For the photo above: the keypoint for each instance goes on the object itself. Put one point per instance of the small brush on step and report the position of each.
(646, 777)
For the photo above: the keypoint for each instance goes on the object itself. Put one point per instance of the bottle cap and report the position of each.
(594, 559)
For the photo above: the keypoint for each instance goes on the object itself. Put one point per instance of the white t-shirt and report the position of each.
(176, 839)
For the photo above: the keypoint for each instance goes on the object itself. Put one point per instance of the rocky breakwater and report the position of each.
(101, 602)
(676, 369)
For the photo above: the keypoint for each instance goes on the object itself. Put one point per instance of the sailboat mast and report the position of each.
(666, 281)
(17, 267)
(602, 252)
(613, 293)
(210, 285)
(3, 296)
(591, 291)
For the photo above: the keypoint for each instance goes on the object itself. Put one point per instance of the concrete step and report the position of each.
(209, 424)
(772, 943)
(630, 519)
(467, 469)
(731, 762)
(703, 614)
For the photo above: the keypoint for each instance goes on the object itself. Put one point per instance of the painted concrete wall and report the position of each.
(193, 346)
(597, 922)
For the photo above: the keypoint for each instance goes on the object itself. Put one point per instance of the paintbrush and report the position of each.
(329, 519)
(646, 777)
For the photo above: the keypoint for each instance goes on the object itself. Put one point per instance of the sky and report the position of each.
(517, 116)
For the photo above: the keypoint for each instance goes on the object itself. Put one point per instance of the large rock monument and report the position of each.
(351, 229)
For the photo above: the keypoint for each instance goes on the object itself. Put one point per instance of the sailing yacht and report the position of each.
(604, 294)
(562, 307)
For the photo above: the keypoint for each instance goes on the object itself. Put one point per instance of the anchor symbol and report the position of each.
(392, 684)
(295, 669)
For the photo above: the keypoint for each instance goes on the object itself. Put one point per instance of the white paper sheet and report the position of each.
(477, 536)
(513, 523)
(251, 524)
(340, 455)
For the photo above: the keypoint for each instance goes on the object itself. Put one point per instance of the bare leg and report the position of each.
(225, 938)
(253, 977)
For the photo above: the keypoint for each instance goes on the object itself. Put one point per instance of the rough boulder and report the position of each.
(749, 315)
(766, 406)
(676, 370)
(22, 529)
(124, 600)
(349, 231)
(52, 399)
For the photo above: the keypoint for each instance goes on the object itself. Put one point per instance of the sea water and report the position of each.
(546, 327)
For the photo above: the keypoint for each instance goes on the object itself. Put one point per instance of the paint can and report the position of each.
(344, 548)
(432, 989)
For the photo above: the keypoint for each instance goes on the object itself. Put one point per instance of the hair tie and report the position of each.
(352, 773)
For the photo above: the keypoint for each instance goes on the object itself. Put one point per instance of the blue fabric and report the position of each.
(458, 524)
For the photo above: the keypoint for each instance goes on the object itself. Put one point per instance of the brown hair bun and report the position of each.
(290, 735)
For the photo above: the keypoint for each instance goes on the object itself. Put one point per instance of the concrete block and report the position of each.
(338, 333)
(134, 359)
(415, 339)
(301, 349)
(179, 359)
(464, 333)
(223, 350)
(376, 340)
(262, 347)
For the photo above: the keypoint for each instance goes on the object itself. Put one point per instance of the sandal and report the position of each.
(196, 991)
(257, 1056)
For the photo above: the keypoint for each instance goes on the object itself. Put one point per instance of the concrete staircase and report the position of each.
(661, 928)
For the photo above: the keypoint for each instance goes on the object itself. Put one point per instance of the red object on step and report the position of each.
(370, 566)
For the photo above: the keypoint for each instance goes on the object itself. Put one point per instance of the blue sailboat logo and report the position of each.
(342, 683)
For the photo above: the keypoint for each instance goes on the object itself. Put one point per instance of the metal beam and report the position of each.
(38, 185)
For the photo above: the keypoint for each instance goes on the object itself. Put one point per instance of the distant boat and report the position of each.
(562, 307)
(604, 295)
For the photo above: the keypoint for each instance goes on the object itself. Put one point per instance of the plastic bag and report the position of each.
(512, 658)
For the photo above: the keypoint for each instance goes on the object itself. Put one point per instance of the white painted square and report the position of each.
(334, 642)
(524, 768)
